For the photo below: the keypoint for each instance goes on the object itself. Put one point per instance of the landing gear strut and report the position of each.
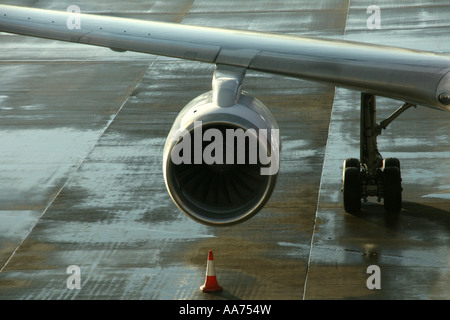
(371, 175)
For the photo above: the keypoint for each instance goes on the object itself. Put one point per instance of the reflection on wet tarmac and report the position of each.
(81, 154)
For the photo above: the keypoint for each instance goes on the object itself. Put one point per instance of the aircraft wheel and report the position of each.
(392, 189)
(352, 190)
(391, 162)
(351, 163)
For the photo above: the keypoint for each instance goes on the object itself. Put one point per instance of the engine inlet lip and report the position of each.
(216, 215)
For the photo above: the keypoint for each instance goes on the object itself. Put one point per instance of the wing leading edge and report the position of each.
(413, 76)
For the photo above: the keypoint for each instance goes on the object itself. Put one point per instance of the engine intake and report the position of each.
(221, 163)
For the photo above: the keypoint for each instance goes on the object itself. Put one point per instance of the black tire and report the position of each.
(352, 190)
(351, 163)
(391, 162)
(392, 190)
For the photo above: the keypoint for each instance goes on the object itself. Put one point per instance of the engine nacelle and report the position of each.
(221, 163)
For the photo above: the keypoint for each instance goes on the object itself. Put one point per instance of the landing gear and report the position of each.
(351, 185)
(371, 175)
(392, 185)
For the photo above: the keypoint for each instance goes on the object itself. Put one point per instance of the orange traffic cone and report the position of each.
(211, 284)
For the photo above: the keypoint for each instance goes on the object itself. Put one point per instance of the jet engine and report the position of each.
(221, 157)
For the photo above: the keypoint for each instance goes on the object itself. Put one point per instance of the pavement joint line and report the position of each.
(308, 264)
(77, 167)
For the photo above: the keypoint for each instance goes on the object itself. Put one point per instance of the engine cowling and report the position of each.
(221, 163)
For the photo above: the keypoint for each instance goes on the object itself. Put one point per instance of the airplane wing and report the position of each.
(211, 191)
(415, 77)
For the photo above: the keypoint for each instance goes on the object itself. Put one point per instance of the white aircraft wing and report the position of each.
(415, 77)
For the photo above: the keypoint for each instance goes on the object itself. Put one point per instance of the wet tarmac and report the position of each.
(83, 130)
